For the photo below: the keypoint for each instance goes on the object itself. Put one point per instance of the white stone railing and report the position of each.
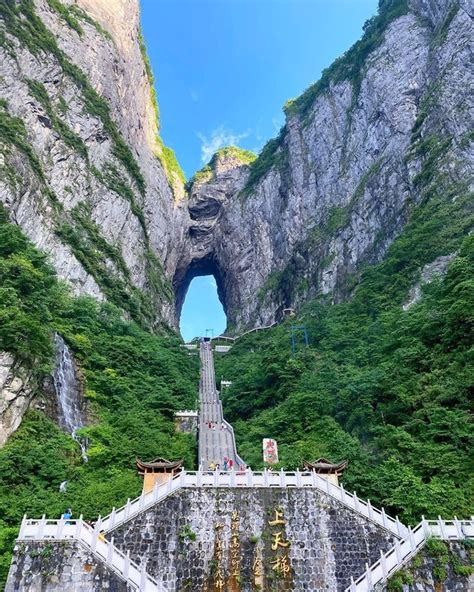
(399, 555)
(248, 478)
(78, 530)
(239, 460)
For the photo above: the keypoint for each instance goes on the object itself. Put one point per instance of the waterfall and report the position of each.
(68, 394)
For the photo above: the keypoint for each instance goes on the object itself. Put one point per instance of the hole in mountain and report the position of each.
(202, 313)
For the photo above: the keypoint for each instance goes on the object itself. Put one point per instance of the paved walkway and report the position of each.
(215, 434)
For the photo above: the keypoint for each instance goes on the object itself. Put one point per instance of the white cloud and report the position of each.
(219, 138)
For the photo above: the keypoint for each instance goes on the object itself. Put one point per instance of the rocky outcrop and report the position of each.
(16, 392)
(86, 174)
(334, 190)
(81, 153)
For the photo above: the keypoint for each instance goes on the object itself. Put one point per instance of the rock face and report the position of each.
(83, 175)
(16, 393)
(337, 184)
(431, 573)
(66, 567)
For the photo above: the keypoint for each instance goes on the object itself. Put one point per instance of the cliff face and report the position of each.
(80, 153)
(356, 152)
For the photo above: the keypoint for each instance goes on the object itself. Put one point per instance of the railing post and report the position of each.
(110, 550)
(368, 576)
(383, 565)
(356, 501)
(42, 524)
(298, 478)
(282, 478)
(127, 505)
(232, 478)
(169, 485)
(143, 575)
(265, 478)
(199, 477)
(458, 526)
(442, 530)
(112, 517)
(369, 510)
(411, 538)
(399, 526)
(398, 552)
(425, 527)
(95, 538)
(328, 489)
(22, 527)
(126, 565)
(216, 477)
(141, 501)
(79, 525)
(313, 477)
(182, 478)
(249, 477)
(384, 518)
(341, 490)
(60, 528)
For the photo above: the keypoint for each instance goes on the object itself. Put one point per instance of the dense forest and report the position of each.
(134, 380)
(385, 386)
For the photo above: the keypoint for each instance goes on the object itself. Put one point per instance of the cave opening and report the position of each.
(200, 302)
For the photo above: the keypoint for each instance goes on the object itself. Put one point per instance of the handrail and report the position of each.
(399, 555)
(90, 538)
(253, 479)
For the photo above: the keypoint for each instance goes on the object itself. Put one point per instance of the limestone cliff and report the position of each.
(358, 150)
(84, 173)
(82, 164)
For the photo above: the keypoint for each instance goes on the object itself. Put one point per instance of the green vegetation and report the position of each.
(67, 15)
(350, 66)
(202, 176)
(23, 22)
(270, 156)
(384, 387)
(13, 131)
(437, 554)
(71, 139)
(171, 165)
(81, 14)
(151, 78)
(134, 381)
(246, 157)
(165, 154)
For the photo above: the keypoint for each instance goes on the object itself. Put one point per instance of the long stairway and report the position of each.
(216, 436)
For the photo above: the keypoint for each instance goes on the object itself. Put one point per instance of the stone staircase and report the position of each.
(401, 553)
(135, 576)
(251, 479)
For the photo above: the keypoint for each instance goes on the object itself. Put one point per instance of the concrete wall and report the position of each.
(59, 567)
(222, 539)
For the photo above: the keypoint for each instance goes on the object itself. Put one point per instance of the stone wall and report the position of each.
(59, 567)
(439, 566)
(195, 539)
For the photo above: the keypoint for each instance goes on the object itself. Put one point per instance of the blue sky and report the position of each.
(224, 69)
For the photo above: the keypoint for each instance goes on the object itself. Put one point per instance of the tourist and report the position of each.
(225, 463)
(231, 464)
(67, 515)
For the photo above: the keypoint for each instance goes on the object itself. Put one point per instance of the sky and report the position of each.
(223, 71)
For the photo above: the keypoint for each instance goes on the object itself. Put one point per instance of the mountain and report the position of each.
(356, 216)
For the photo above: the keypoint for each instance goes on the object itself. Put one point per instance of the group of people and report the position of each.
(212, 425)
(227, 465)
